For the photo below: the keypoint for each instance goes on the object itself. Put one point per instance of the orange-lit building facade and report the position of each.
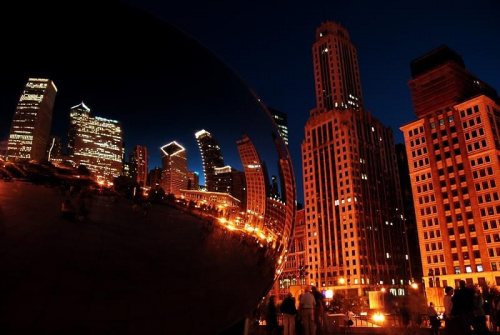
(453, 153)
(354, 217)
(30, 130)
(174, 176)
(295, 272)
(96, 143)
(255, 183)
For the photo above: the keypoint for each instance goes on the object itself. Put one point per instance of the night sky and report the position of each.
(268, 43)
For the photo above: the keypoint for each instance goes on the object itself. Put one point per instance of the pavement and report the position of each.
(120, 272)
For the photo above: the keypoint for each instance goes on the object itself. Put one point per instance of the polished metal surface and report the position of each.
(144, 261)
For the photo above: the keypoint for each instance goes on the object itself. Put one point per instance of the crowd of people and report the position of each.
(466, 311)
(308, 319)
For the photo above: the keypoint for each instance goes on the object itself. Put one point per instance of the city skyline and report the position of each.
(388, 36)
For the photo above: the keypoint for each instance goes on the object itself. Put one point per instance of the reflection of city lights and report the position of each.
(342, 281)
(382, 289)
(414, 286)
(328, 294)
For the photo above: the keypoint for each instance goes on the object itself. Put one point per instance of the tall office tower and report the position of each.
(54, 149)
(174, 168)
(281, 120)
(30, 130)
(354, 211)
(139, 165)
(256, 185)
(97, 143)
(453, 156)
(409, 210)
(193, 180)
(336, 69)
(155, 178)
(211, 156)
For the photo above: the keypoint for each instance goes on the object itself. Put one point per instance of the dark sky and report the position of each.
(268, 43)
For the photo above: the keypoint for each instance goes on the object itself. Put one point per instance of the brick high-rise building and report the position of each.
(353, 207)
(453, 153)
(30, 130)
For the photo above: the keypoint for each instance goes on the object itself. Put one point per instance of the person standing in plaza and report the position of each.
(272, 317)
(433, 319)
(448, 307)
(319, 310)
(306, 307)
(289, 311)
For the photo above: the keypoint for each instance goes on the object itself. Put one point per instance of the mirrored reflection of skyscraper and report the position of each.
(30, 130)
(174, 168)
(211, 157)
(353, 206)
(281, 120)
(193, 180)
(255, 183)
(96, 143)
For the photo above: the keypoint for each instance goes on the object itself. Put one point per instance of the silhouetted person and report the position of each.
(405, 315)
(319, 310)
(463, 306)
(448, 307)
(289, 311)
(479, 314)
(67, 211)
(433, 319)
(272, 327)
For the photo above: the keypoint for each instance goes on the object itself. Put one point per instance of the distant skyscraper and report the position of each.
(193, 180)
(174, 168)
(30, 130)
(353, 205)
(139, 165)
(281, 121)
(96, 143)
(255, 183)
(211, 156)
(453, 156)
(155, 178)
(336, 69)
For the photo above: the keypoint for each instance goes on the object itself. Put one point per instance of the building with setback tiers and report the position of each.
(30, 130)
(453, 151)
(353, 207)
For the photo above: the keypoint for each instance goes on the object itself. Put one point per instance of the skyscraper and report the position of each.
(155, 178)
(97, 143)
(139, 165)
(336, 69)
(353, 207)
(211, 156)
(453, 156)
(30, 130)
(174, 168)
